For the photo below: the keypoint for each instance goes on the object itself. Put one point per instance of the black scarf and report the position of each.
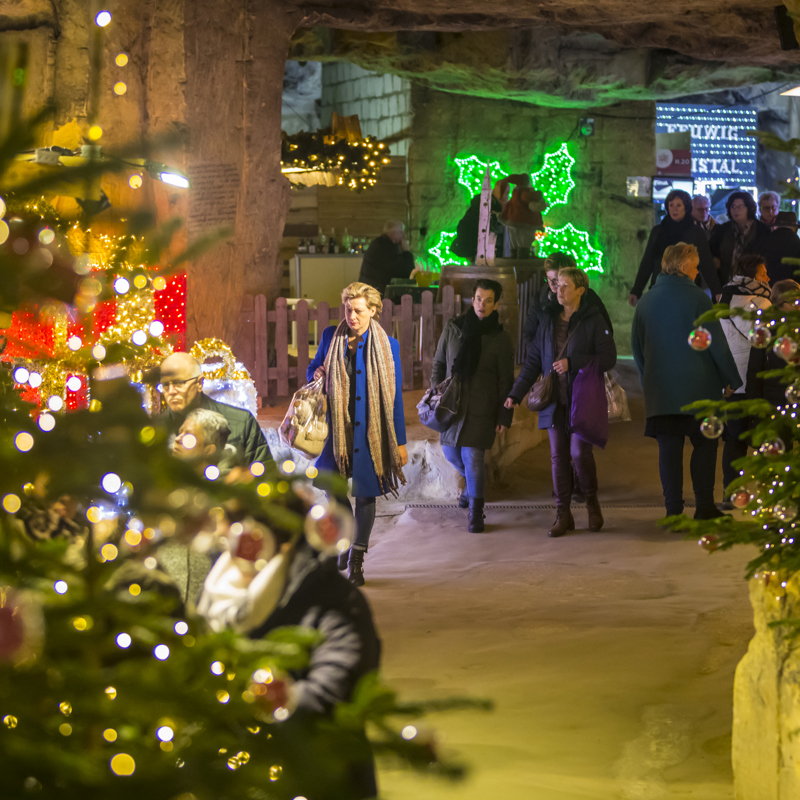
(466, 362)
(670, 233)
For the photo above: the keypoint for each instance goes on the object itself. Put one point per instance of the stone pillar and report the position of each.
(766, 699)
(235, 57)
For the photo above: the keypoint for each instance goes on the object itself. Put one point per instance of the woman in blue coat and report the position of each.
(363, 382)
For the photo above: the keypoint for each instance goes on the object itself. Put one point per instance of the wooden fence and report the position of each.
(280, 341)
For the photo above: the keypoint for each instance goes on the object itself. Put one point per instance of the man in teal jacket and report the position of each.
(673, 375)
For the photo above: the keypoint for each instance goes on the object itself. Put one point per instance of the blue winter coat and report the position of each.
(365, 481)
(671, 372)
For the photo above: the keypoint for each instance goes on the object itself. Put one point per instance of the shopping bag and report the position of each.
(305, 427)
(589, 413)
(618, 410)
(439, 405)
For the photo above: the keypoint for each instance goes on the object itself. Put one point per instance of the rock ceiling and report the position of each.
(556, 52)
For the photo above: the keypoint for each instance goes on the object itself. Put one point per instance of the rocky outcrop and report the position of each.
(766, 698)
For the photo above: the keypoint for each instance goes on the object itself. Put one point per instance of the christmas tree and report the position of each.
(108, 687)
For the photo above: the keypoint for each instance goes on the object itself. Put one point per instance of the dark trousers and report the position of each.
(734, 447)
(703, 466)
(568, 451)
(364, 516)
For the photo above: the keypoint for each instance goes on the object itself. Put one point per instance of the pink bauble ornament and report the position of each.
(785, 347)
(760, 336)
(700, 339)
(709, 542)
(773, 448)
(740, 498)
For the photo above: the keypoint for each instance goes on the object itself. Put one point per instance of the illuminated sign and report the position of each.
(721, 150)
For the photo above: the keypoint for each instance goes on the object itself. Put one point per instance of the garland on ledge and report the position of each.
(354, 164)
(229, 382)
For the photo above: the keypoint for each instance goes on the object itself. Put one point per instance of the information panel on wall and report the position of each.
(722, 153)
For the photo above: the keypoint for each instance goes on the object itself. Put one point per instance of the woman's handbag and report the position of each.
(618, 410)
(588, 417)
(305, 426)
(545, 390)
(439, 405)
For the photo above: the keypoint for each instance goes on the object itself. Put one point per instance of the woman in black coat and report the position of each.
(574, 334)
(743, 234)
(677, 226)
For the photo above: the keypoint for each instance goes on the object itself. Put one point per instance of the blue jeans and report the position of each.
(470, 463)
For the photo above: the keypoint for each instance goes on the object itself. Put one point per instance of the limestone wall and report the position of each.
(518, 136)
(382, 102)
(766, 699)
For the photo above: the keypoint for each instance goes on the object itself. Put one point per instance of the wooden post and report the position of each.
(282, 346)
(301, 321)
(260, 374)
(407, 340)
(386, 316)
(427, 343)
(448, 305)
(322, 319)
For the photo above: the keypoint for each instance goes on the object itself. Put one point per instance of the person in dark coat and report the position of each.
(782, 243)
(542, 305)
(465, 245)
(300, 586)
(364, 385)
(181, 379)
(765, 359)
(475, 349)
(673, 375)
(677, 226)
(387, 257)
(742, 235)
(574, 334)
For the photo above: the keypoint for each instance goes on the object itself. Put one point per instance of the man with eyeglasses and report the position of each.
(769, 204)
(181, 381)
(701, 211)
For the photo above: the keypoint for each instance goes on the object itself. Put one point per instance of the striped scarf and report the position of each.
(381, 436)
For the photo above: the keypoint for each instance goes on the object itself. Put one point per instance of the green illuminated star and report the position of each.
(471, 171)
(554, 179)
(440, 252)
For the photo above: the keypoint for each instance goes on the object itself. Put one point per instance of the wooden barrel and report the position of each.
(462, 279)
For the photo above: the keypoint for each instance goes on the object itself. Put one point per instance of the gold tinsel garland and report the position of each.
(216, 348)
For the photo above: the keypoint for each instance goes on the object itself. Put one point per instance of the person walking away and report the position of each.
(673, 375)
(769, 204)
(363, 382)
(701, 211)
(748, 290)
(522, 215)
(743, 234)
(476, 350)
(574, 334)
(782, 243)
(387, 257)
(677, 226)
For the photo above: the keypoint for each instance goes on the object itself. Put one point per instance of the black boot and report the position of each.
(463, 499)
(356, 564)
(475, 515)
(342, 559)
(595, 514)
(564, 522)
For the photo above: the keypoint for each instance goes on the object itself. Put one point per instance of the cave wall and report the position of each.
(445, 125)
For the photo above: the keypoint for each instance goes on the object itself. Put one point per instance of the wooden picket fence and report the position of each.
(277, 374)
(267, 336)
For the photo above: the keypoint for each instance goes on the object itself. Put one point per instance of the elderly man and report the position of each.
(182, 384)
(389, 256)
(768, 205)
(701, 211)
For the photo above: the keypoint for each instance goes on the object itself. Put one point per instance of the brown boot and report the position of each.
(595, 514)
(355, 564)
(564, 522)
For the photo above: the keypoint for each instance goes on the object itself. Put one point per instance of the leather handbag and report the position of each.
(439, 405)
(545, 389)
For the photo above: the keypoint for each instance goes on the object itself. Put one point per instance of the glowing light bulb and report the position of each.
(135, 181)
(156, 328)
(165, 733)
(181, 628)
(103, 19)
(60, 587)
(161, 652)
(121, 285)
(21, 375)
(111, 482)
(98, 352)
(55, 403)
(46, 422)
(35, 380)
(217, 668)
(123, 765)
(74, 383)
(120, 87)
(12, 503)
(139, 338)
(121, 60)
(211, 472)
(23, 441)
(123, 640)
(74, 343)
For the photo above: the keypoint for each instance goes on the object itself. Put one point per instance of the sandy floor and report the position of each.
(609, 656)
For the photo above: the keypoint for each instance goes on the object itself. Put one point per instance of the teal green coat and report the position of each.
(671, 372)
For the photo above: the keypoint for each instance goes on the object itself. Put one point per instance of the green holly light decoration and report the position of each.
(571, 240)
(554, 180)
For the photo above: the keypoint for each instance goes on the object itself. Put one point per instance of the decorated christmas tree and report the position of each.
(108, 686)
